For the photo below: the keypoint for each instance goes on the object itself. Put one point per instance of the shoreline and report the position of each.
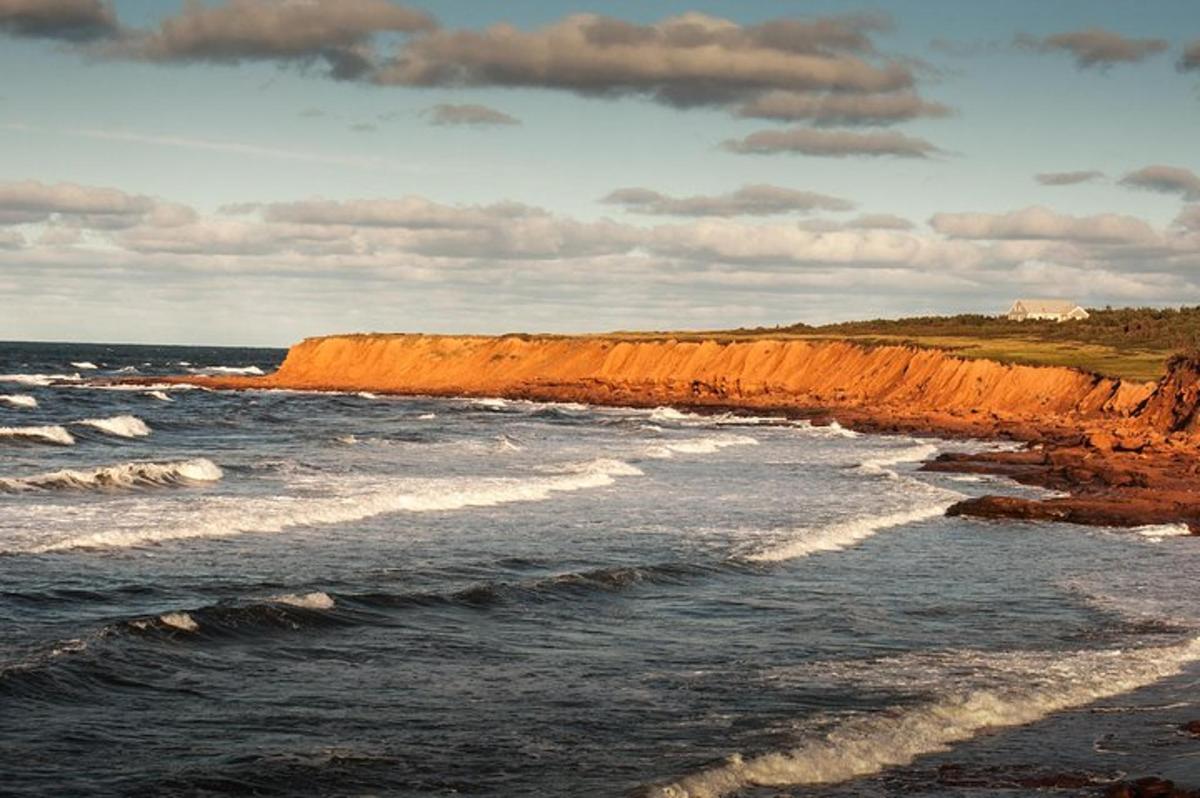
(1127, 455)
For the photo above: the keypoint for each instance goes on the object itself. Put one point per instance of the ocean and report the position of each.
(286, 593)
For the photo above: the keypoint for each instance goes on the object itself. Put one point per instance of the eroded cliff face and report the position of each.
(895, 381)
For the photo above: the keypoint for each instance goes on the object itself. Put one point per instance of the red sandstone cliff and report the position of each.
(1129, 453)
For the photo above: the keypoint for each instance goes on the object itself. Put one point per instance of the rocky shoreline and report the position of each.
(1123, 454)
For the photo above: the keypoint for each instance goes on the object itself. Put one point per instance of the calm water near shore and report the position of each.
(284, 593)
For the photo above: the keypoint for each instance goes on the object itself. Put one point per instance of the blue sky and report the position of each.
(186, 126)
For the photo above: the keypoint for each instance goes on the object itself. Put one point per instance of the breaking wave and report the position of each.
(40, 380)
(18, 400)
(706, 445)
(121, 426)
(362, 500)
(86, 365)
(1160, 531)
(159, 395)
(912, 454)
(218, 370)
(844, 534)
(45, 434)
(122, 475)
(873, 743)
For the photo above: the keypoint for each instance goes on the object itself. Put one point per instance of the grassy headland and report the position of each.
(1130, 343)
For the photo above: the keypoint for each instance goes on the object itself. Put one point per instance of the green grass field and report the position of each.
(1130, 343)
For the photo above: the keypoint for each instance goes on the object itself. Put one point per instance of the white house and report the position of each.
(1048, 309)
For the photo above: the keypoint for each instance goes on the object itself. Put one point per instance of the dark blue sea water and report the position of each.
(279, 593)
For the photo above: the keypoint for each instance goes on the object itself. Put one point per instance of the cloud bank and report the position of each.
(754, 200)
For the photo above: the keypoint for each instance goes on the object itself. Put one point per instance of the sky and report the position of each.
(252, 172)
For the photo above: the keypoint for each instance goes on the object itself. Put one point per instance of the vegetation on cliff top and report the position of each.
(1132, 343)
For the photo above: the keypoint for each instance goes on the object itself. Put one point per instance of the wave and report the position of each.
(219, 370)
(18, 400)
(40, 380)
(1157, 532)
(870, 744)
(844, 534)
(45, 434)
(705, 445)
(122, 475)
(121, 426)
(159, 395)
(366, 395)
(316, 600)
(911, 454)
(492, 404)
(830, 430)
(362, 500)
(85, 365)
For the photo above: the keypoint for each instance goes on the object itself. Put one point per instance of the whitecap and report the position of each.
(843, 534)
(84, 364)
(1160, 531)
(121, 475)
(40, 380)
(356, 500)
(179, 620)
(911, 454)
(45, 434)
(121, 426)
(159, 395)
(18, 400)
(219, 370)
(872, 743)
(316, 600)
(706, 445)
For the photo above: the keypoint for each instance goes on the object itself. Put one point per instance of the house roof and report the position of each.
(1046, 305)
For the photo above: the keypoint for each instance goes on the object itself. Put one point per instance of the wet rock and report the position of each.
(1191, 727)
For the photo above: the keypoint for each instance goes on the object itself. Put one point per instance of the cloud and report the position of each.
(69, 20)
(842, 109)
(1043, 224)
(1189, 218)
(754, 200)
(97, 208)
(1094, 47)
(1165, 180)
(337, 32)
(831, 144)
(1068, 178)
(1190, 60)
(415, 213)
(880, 221)
(470, 115)
(688, 60)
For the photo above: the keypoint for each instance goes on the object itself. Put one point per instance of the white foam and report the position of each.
(355, 500)
(216, 370)
(427, 417)
(507, 444)
(669, 414)
(911, 454)
(1160, 531)
(490, 403)
(872, 743)
(18, 400)
(41, 380)
(366, 395)
(84, 364)
(830, 430)
(309, 601)
(843, 534)
(121, 426)
(706, 445)
(159, 395)
(122, 475)
(179, 620)
(46, 434)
